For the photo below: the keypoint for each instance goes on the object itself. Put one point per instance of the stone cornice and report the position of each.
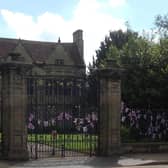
(15, 65)
(114, 73)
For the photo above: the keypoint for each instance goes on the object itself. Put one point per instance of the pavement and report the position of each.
(153, 160)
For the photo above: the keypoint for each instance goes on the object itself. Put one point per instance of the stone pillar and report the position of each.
(14, 111)
(110, 102)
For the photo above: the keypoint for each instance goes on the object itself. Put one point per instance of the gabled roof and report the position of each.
(39, 50)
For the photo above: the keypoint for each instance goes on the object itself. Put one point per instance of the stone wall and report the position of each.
(154, 147)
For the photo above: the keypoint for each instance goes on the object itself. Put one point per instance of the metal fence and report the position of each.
(60, 120)
(144, 125)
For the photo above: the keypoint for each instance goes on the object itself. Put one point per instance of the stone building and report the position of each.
(50, 62)
(48, 58)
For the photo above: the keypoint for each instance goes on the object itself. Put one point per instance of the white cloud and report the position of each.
(49, 26)
(117, 3)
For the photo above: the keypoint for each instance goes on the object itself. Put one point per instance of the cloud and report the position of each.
(49, 26)
(117, 3)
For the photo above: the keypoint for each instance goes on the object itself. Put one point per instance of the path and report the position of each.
(126, 161)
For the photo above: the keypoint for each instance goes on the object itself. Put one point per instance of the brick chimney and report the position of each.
(78, 39)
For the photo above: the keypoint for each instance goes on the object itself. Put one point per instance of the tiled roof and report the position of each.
(38, 50)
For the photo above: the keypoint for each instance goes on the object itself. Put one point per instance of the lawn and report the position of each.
(74, 142)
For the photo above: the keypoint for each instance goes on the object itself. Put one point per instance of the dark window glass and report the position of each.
(59, 62)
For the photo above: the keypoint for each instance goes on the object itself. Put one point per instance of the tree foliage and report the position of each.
(161, 23)
(145, 80)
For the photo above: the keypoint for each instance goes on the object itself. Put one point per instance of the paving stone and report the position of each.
(126, 161)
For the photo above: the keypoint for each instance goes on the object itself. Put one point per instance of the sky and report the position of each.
(47, 20)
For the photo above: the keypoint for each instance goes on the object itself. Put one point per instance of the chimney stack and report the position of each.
(78, 39)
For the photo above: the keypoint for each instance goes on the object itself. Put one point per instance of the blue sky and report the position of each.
(48, 19)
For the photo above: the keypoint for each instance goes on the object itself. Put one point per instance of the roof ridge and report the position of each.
(39, 50)
(34, 41)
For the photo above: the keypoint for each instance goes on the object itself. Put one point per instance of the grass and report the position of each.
(75, 142)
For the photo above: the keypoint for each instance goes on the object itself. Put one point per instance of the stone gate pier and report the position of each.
(110, 103)
(14, 131)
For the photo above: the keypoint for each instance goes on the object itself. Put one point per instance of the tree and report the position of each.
(161, 23)
(144, 83)
(115, 41)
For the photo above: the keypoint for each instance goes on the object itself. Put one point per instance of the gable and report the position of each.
(41, 52)
(60, 57)
(19, 53)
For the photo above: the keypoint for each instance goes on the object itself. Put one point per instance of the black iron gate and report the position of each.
(60, 122)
